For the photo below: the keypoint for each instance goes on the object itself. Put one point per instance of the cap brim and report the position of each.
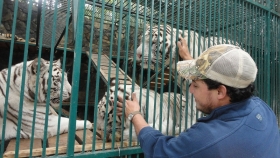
(187, 69)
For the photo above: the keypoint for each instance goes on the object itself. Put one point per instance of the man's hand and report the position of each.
(184, 49)
(130, 105)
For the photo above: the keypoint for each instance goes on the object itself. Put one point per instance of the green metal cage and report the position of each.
(97, 42)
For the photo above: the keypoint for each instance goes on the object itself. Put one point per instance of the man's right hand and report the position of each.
(184, 49)
(130, 105)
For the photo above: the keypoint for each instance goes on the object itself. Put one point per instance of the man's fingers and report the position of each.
(120, 98)
(119, 108)
(119, 113)
(179, 40)
(119, 104)
(183, 41)
(179, 44)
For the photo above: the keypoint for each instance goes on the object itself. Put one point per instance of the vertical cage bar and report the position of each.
(21, 102)
(37, 76)
(273, 64)
(119, 40)
(1, 8)
(176, 76)
(214, 23)
(53, 38)
(170, 66)
(75, 78)
(88, 82)
(109, 80)
(234, 21)
(268, 52)
(40, 38)
(8, 77)
(227, 20)
(278, 67)
(94, 10)
(219, 24)
(63, 68)
(135, 44)
(143, 46)
(127, 33)
(163, 59)
(158, 69)
(181, 80)
(209, 23)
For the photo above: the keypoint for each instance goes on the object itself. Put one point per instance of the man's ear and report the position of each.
(222, 92)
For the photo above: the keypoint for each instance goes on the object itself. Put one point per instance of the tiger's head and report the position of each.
(56, 81)
(160, 50)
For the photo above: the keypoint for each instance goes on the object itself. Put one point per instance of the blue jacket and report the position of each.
(246, 129)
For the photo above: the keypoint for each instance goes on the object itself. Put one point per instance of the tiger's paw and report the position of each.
(117, 138)
(80, 124)
(109, 136)
(89, 125)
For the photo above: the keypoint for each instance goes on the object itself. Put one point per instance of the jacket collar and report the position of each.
(232, 110)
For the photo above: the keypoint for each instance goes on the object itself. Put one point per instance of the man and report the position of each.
(238, 124)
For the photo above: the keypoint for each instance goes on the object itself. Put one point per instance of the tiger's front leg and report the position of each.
(64, 123)
(80, 124)
(126, 135)
(109, 135)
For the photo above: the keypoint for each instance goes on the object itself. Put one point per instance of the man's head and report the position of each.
(210, 94)
(222, 74)
(227, 64)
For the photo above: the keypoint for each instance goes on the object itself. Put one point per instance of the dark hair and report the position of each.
(235, 94)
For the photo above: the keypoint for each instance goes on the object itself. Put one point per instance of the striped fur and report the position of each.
(13, 107)
(165, 46)
(157, 109)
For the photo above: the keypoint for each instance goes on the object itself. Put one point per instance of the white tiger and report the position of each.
(197, 45)
(166, 121)
(12, 112)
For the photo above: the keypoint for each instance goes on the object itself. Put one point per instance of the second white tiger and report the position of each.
(160, 113)
(163, 45)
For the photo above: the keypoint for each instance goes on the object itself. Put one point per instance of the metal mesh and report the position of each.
(212, 15)
(54, 17)
(253, 24)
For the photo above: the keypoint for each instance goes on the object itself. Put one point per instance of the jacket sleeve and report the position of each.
(155, 144)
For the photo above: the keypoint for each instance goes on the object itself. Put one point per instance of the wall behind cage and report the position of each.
(7, 19)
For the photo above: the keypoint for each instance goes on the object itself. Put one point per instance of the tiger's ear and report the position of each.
(34, 65)
(57, 62)
(113, 81)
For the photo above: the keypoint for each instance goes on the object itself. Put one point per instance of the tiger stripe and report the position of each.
(27, 112)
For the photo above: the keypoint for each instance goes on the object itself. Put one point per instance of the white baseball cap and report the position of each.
(224, 63)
